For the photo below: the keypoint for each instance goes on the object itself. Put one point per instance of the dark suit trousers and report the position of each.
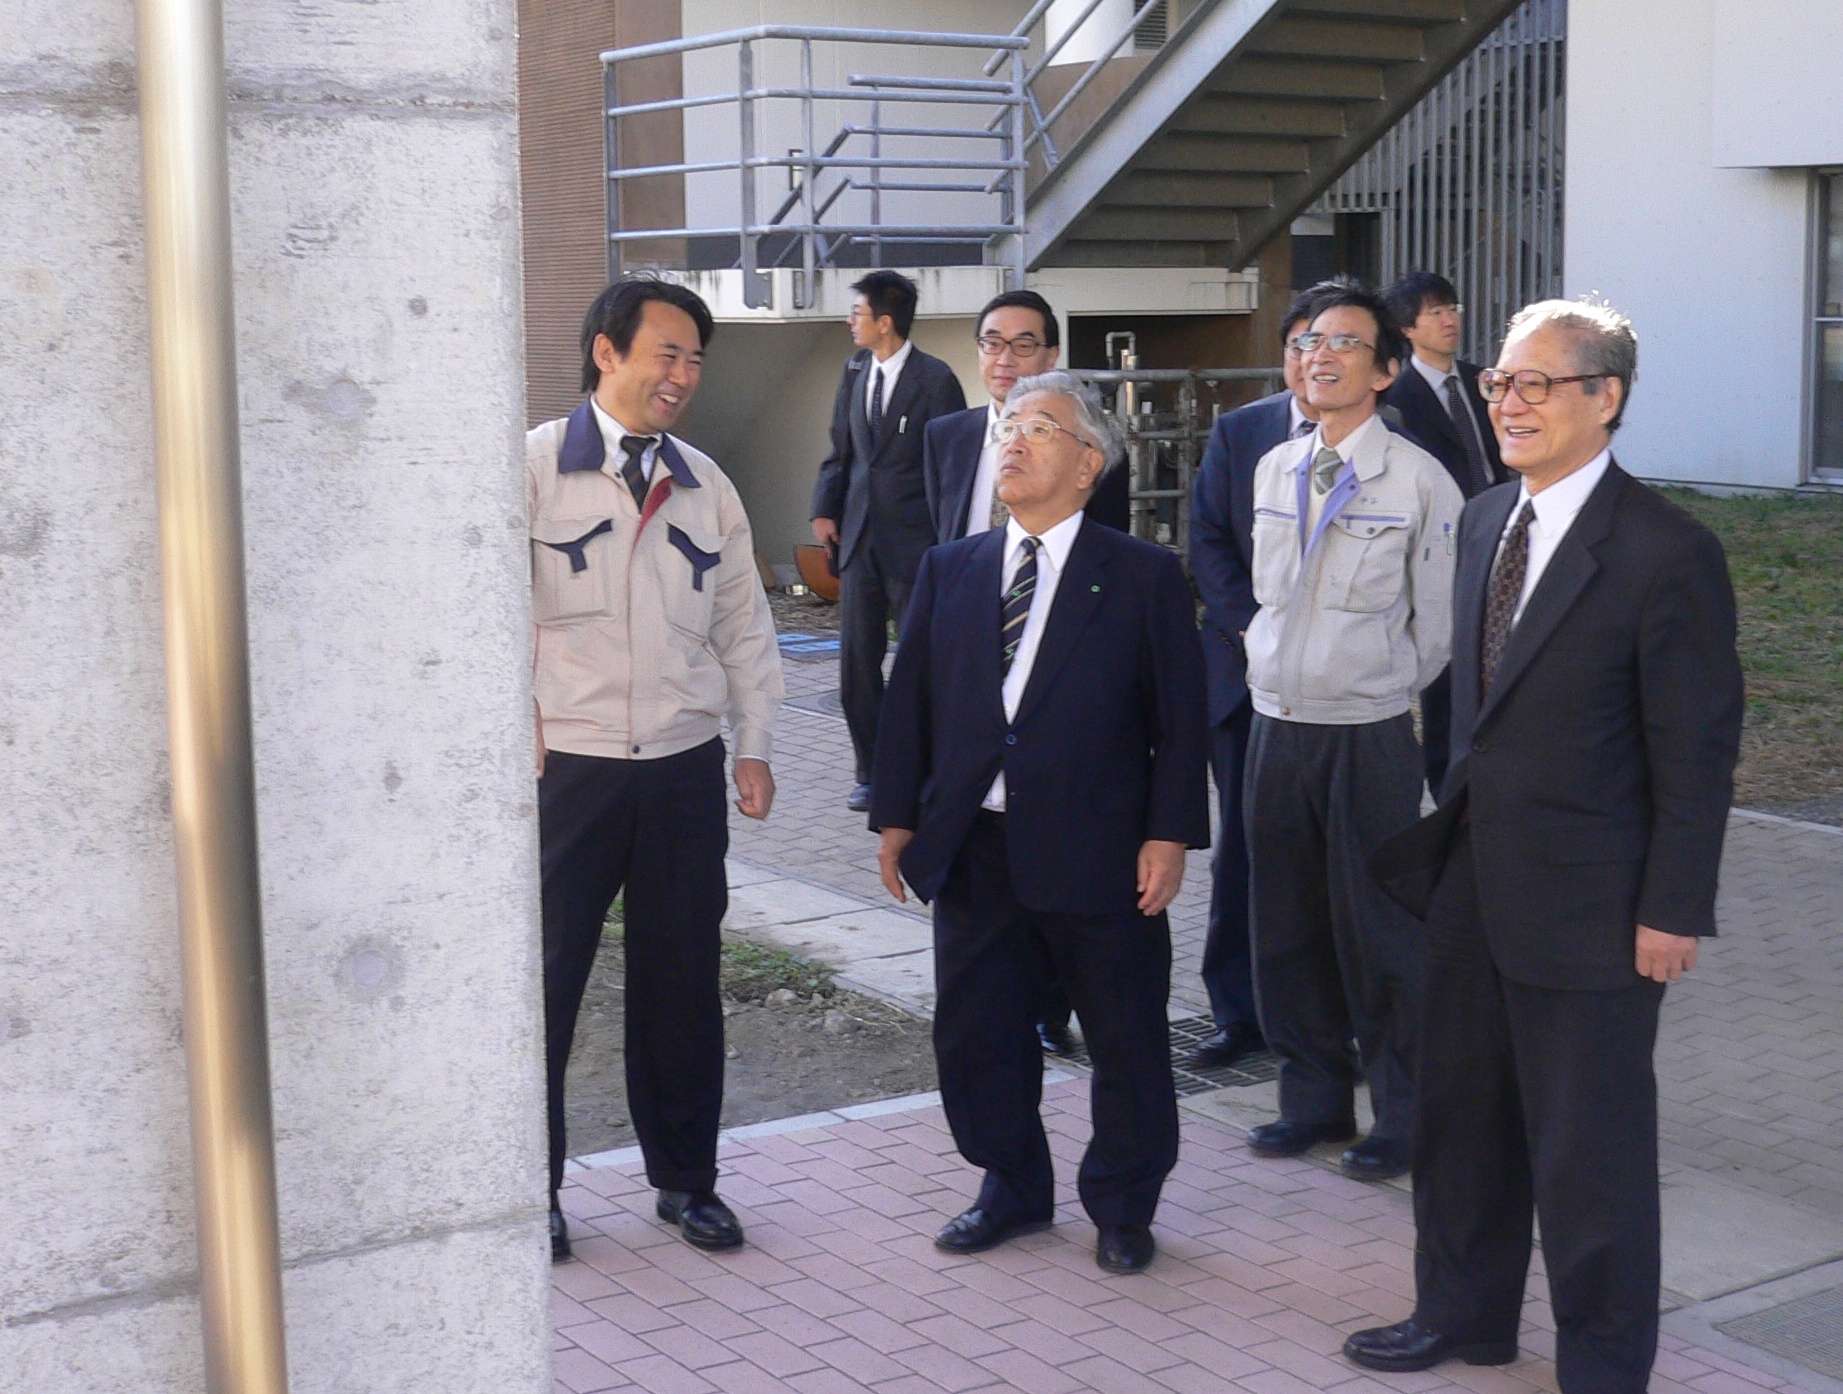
(1334, 956)
(1437, 728)
(1228, 964)
(1535, 1102)
(992, 957)
(659, 828)
(867, 597)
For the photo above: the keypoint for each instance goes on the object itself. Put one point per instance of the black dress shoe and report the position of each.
(858, 800)
(559, 1236)
(1125, 1248)
(974, 1231)
(1408, 1345)
(1283, 1139)
(1056, 1040)
(706, 1221)
(1378, 1159)
(1228, 1045)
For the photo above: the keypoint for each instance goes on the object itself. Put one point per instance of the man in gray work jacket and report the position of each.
(1353, 571)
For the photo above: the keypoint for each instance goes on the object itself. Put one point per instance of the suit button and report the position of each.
(1478, 747)
(1286, 711)
(1010, 740)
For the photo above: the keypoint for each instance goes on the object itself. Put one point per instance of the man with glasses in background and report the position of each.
(1353, 565)
(1437, 396)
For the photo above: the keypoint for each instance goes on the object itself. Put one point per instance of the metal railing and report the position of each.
(854, 159)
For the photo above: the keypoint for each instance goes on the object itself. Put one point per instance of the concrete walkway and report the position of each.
(1264, 1265)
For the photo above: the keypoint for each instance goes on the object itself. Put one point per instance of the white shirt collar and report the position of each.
(891, 366)
(1436, 377)
(1057, 541)
(613, 433)
(1557, 505)
(1295, 417)
(1346, 448)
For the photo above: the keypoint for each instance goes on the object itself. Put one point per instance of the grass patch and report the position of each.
(1785, 553)
(752, 971)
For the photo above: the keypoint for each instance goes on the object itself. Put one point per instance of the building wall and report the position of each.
(374, 186)
(1710, 262)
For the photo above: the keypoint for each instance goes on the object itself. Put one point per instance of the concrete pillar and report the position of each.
(374, 184)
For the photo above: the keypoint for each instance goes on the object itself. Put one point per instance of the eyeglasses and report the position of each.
(1532, 386)
(1037, 430)
(1024, 346)
(1453, 309)
(1310, 341)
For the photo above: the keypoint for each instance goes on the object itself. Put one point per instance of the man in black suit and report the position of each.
(1567, 875)
(1039, 775)
(869, 501)
(1437, 396)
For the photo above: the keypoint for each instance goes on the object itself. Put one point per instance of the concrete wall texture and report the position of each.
(374, 181)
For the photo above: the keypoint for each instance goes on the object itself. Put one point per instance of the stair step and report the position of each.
(1189, 189)
(1401, 11)
(1335, 38)
(1257, 117)
(1261, 76)
(1109, 224)
(1077, 252)
(1241, 154)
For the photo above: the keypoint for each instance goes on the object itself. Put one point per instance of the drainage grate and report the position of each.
(1187, 1033)
(819, 704)
(1808, 1331)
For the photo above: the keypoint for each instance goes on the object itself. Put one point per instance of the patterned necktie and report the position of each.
(1325, 466)
(1305, 428)
(1467, 427)
(633, 447)
(1016, 608)
(1501, 600)
(1001, 512)
(876, 401)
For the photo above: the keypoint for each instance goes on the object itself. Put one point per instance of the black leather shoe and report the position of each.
(1283, 1139)
(1233, 1043)
(1408, 1345)
(706, 1221)
(1125, 1248)
(974, 1231)
(858, 800)
(559, 1236)
(1055, 1040)
(1378, 1159)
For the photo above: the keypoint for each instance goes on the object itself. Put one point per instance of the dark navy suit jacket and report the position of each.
(1108, 748)
(950, 458)
(1430, 424)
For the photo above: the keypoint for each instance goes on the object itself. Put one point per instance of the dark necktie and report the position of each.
(1501, 600)
(1016, 608)
(633, 447)
(876, 401)
(1304, 428)
(1467, 426)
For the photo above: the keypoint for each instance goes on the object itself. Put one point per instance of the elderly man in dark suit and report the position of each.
(1039, 775)
(1568, 874)
(870, 502)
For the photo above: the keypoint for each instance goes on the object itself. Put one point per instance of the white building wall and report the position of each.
(374, 185)
(1710, 262)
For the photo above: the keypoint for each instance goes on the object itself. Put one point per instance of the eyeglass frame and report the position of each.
(1493, 377)
(1037, 345)
(1297, 345)
(1006, 427)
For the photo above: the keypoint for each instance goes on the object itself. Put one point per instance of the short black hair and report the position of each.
(617, 311)
(1414, 293)
(1391, 347)
(1306, 304)
(1023, 300)
(890, 293)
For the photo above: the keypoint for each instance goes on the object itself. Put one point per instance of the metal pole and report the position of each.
(808, 261)
(754, 284)
(192, 345)
(611, 160)
(1014, 150)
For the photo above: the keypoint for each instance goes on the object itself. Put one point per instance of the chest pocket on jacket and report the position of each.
(1370, 566)
(1276, 554)
(570, 558)
(688, 565)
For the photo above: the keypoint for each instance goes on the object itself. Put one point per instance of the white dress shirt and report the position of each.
(1437, 379)
(1347, 451)
(891, 368)
(1052, 558)
(1556, 509)
(613, 433)
(985, 480)
(1297, 422)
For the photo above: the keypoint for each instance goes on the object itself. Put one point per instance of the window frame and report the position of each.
(1825, 207)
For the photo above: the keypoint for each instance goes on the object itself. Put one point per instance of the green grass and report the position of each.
(749, 972)
(1785, 553)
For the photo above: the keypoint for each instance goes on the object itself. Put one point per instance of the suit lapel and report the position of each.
(1444, 423)
(859, 411)
(1078, 596)
(984, 579)
(901, 401)
(963, 458)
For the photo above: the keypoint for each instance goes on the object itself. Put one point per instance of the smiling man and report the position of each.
(1353, 565)
(1039, 774)
(652, 627)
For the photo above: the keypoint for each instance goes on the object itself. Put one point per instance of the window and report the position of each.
(1827, 391)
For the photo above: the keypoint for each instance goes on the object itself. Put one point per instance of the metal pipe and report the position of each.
(825, 33)
(192, 347)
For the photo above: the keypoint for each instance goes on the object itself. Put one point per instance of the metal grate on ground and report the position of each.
(1187, 1033)
(1808, 1330)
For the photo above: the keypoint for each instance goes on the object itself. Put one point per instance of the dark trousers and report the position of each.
(1333, 956)
(867, 597)
(1437, 728)
(1535, 1101)
(992, 957)
(660, 829)
(1228, 962)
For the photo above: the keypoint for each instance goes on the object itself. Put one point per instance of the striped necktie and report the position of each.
(1016, 608)
(635, 448)
(1469, 439)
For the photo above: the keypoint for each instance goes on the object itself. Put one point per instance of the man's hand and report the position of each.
(889, 847)
(755, 784)
(1161, 872)
(825, 530)
(1662, 957)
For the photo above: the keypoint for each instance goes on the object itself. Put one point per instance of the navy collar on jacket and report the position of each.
(583, 449)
